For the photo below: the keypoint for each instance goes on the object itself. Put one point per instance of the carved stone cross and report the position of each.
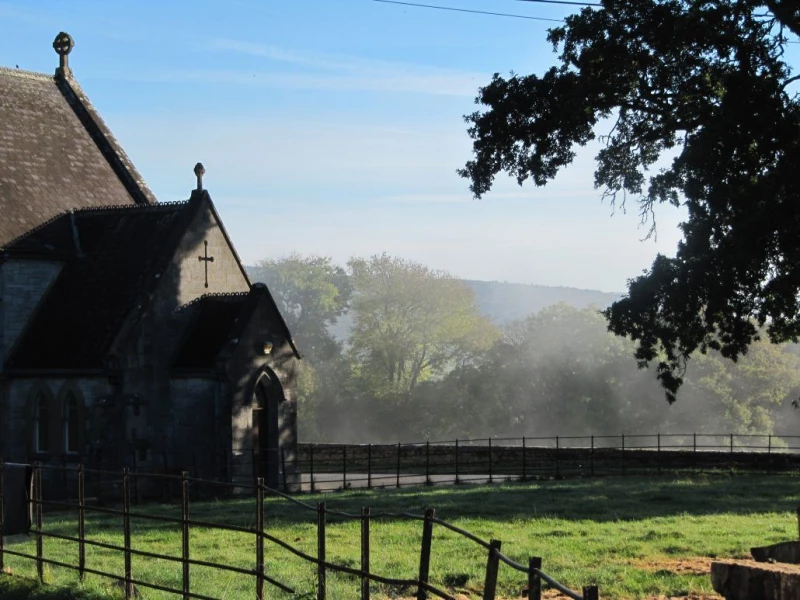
(207, 259)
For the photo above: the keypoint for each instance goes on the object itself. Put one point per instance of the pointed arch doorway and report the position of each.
(267, 396)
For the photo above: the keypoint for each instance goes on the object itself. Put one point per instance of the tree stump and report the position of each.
(785, 552)
(750, 580)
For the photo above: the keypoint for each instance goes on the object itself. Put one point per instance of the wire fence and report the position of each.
(83, 504)
(321, 467)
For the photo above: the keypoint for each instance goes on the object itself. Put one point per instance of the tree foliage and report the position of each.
(704, 84)
(560, 372)
(411, 323)
(311, 293)
(556, 372)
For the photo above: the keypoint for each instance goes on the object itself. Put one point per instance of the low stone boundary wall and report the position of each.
(531, 461)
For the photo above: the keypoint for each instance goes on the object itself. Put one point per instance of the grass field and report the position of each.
(633, 537)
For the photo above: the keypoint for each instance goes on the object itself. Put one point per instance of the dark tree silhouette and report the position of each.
(704, 81)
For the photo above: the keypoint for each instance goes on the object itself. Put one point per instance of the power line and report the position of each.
(466, 10)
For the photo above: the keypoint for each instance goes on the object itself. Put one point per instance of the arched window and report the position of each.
(71, 416)
(41, 422)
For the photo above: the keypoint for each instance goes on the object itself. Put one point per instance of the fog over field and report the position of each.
(395, 351)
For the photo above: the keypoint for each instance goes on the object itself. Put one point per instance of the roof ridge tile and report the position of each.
(230, 296)
(155, 207)
(33, 231)
(26, 74)
(158, 207)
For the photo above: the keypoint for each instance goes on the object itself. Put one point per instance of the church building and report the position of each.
(130, 333)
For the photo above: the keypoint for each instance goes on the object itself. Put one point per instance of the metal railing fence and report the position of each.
(125, 480)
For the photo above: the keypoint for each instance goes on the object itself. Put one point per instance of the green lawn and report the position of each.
(623, 534)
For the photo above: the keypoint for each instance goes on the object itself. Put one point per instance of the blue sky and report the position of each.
(335, 127)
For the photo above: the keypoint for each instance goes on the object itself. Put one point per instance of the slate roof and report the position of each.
(113, 256)
(69, 192)
(56, 153)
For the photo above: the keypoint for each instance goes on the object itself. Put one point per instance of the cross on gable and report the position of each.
(206, 259)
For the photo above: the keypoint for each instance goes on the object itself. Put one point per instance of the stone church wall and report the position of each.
(187, 274)
(173, 405)
(198, 426)
(247, 365)
(23, 283)
(21, 391)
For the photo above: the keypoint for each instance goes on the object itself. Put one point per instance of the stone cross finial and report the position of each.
(63, 45)
(199, 170)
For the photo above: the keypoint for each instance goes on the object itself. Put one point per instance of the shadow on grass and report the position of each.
(596, 499)
(20, 588)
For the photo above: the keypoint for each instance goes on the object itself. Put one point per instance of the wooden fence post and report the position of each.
(427, 462)
(369, 467)
(135, 479)
(311, 464)
(321, 520)
(81, 522)
(798, 522)
(590, 592)
(398, 464)
(491, 478)
(492, 566)
(283, 469)
(2, 510)
(260, 539)
(769, 453)
(37, 482)
(253, 459)
(558, 463)
(126, 532)
(534, 581)
(524, 460)
(658, 452)
(425, 552)
(365, 517)
(64, 473)
(185, 531)
(457, 481)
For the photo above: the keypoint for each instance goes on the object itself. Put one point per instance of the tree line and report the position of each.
(416, 360)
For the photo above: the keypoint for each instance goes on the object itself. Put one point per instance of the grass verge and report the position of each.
(633, 537)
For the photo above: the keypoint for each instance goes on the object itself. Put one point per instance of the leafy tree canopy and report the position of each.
(411, 323)
(311, 293)
(705, 84)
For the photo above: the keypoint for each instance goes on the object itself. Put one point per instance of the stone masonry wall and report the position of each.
(531, 462)
(246, 366)
(148, 351)
(22, 285)
(21, 390)
(196, 425)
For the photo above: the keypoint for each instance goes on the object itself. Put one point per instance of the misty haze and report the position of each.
(400, 299)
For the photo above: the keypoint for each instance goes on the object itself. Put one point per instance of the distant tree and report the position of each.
(747, 398)
(311, 293)
(411, 323)
(560, 372)
(705, 84)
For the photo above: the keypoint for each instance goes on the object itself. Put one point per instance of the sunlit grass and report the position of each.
(622, 534)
